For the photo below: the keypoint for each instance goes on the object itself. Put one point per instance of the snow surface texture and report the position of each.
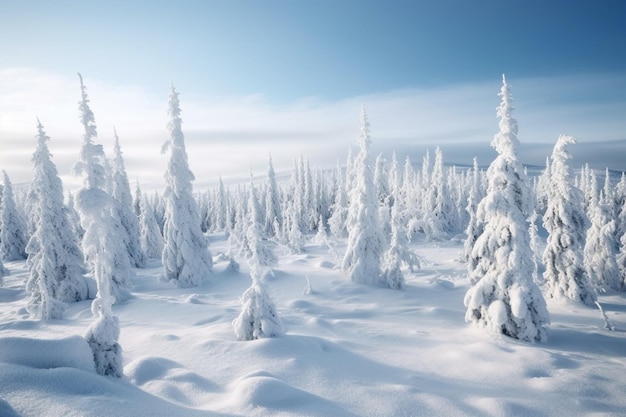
(348, 349)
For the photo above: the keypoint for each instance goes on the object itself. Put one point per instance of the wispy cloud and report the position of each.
(228, 136)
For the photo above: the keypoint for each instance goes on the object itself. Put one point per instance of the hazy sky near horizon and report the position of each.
(288, 77)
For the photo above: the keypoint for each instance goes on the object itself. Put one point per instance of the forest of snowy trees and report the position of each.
(85, 245)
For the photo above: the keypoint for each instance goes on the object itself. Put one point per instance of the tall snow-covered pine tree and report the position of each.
(566, 222)
(12, 226)
(365, 240)
(103, 247)
(124, 207)
(55, 262)
(186, 257)
(503, 298)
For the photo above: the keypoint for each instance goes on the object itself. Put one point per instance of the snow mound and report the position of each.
(170, 380)
(259, 392)
(69, 352)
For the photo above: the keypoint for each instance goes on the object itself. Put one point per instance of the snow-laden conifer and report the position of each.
(339, 208)
(258, 318)
(261, 254)
(437, 204)
(74, 217)
(186, 258)
(473, 229)
(124, 207)
(150, 238)
(393, 256)
(12, 227)
(221, 208)
(600, 252)
(273, 215)
(292, 234)
(503, 298)
(55, 262)
(533, 234)
(102, 246)
(365, 241)
(566, 223)
(137, 200)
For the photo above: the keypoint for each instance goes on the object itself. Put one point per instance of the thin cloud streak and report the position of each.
(229, 136)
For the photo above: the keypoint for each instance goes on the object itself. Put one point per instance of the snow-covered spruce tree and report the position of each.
(186, 258)
(258, 318)
(137, 200)
(600, 250)
(74, 217)
(339, 208)
(542, 187)
(124, 207)
(12, 227)
(150, 238)
(533, 235)
(102, 246)
(381, 179)
(221, 208)
(55, 262)
(292, 234)
(365, 240)
(473, 229)
(261, 254)
(392, 259)
(566, 222)
(395, 180)
(438, 206)
(503, 298)
(273, 215)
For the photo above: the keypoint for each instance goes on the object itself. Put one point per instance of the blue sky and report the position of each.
(249, 71)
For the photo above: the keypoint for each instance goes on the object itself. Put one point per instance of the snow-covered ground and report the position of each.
(348, 350)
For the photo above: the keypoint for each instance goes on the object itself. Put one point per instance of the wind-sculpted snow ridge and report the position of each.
(348, 349)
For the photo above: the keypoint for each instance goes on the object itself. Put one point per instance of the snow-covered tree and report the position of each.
(393, 257)
(339, 208)
(150, 238)
(221, 208)
(437, 204)
(273, 215)
(258, 318)
(55, 262)
(473, 229)
(103, 247)
(534, 245)
(186, 258)
(12, 227)
(137, 200)
(566, 222)
(503, 298)
(74, 217)
(261, 254)
(292, 234)
(124, 207)
(600, 252)
(365, 241)
(542, 187)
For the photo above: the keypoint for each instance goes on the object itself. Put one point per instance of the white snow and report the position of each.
(348, 349)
